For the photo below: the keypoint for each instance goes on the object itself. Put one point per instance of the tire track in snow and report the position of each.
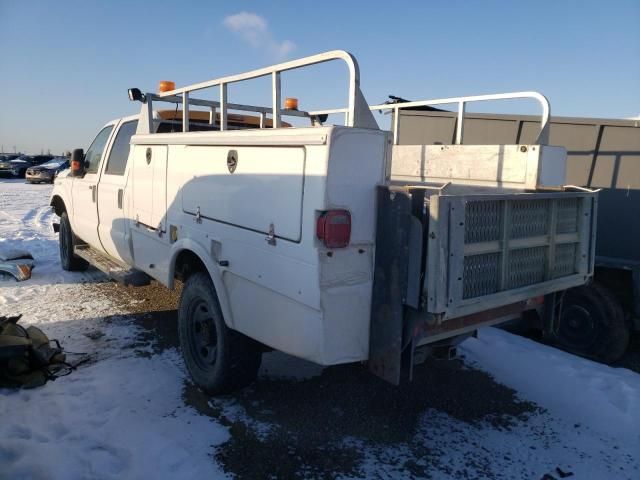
(42, 220)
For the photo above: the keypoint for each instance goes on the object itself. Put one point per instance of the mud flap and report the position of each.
(396, 232)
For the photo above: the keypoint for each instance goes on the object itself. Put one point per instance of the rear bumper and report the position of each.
(425, 331)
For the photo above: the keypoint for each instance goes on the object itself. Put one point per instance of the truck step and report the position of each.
(118, 271)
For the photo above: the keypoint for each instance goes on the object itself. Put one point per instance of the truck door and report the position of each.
(85, 192)
(112, 198)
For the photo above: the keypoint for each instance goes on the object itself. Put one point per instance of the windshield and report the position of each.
(23, 158)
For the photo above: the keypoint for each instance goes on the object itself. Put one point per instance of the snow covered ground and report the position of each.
(512, 409)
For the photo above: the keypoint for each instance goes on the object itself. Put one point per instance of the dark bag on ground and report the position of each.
(27, 357)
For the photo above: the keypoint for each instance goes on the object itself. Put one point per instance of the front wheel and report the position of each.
(220, 360)
(591, 323)
(67, 240)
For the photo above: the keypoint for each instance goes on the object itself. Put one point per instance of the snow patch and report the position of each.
(605, 399)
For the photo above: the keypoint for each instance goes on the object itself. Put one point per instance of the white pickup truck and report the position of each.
(332, 243)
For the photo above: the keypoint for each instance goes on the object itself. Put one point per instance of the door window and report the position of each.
(117, 162)
(94, 154)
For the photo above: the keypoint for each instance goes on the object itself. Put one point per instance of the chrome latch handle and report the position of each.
(271, 238)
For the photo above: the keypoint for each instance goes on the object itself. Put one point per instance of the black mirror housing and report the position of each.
(135, 95)
(77, 163)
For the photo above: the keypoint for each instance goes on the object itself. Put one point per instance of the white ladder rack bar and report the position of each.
(185, 111)
(543, 137)
(223, 108)
(238, 106)
(274, 71)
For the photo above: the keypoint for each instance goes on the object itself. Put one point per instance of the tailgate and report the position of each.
(486, 251)
(447, 264)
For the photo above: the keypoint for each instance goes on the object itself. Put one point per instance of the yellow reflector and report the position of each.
(166, 86)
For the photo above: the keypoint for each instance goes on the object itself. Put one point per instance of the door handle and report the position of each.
(120, 193)
(93, 189)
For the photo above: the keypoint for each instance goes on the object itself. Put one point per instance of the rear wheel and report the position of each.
(67, 240)
(591, 322)
(220, 360)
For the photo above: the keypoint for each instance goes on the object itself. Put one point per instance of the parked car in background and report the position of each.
(20, 165)
(5, 163)
(48, 171)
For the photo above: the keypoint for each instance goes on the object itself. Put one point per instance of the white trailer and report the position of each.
(327, 242)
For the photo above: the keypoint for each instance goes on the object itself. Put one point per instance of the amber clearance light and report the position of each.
(166, 86)
(291, 103)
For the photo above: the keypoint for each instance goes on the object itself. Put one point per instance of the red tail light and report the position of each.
(334, 228)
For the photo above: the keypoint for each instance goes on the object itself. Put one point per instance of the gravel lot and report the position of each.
(302, 421)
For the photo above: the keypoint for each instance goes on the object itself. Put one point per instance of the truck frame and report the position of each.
(332, 243)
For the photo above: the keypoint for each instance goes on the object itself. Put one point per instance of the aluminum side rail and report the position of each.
(542, 139)
(213, 105)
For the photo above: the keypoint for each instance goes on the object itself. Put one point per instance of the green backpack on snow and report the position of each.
(27, 357)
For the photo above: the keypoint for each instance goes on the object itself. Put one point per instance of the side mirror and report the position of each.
(77, 163)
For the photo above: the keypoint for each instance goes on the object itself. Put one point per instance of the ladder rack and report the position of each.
(543, 137)
(356, 113)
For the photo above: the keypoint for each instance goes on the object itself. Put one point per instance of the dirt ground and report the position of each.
(308, 420)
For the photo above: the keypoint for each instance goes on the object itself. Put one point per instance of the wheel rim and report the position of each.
(578, 327)
(203, 335)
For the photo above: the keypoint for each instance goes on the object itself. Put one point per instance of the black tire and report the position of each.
(591, 323)
(67, 240)
(220, 360)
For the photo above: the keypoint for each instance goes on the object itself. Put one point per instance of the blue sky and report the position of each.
(65, 66)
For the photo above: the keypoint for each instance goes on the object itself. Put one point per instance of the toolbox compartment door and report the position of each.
(150, 186)
(248, 187)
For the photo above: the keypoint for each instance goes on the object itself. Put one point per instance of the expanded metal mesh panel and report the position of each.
(526, 267)
(483, 221)
(529, 218)
(565, 261)
(481, 274)
(495, 265)
(567, 216)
